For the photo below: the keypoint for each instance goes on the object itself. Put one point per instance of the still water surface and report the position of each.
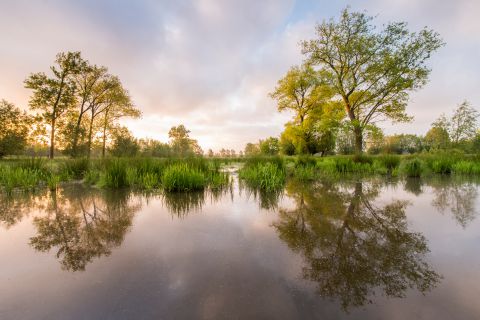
(359, 249)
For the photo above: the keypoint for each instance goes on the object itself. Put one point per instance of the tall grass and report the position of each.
(264, 173)
(182, 177)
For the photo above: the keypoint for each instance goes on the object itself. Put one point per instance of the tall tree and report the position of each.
(118, 105)
(373, 72)
(86, 82)
(300, 91)
(463, 125)
(54, 95)
(181, 142)
(438, 137)
(14, 128)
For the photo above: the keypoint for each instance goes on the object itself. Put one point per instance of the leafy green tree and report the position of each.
(269, 146)
(463, 124)
(438, 137)
(181, 143)
(86, 81)
(251, 149)
(124, 144)
(301, 92)
(286, 144)
(55, 95)
(14, 129)
(154, 148)
(402, 143)
(118, 105)
(373, 72)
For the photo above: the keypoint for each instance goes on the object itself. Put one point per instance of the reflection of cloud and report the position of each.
(210, 64)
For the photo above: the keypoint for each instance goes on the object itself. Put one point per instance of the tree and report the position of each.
(124, 144)
(14, 129)
(300, 91)
(181, 143)
(86, 82)
(438, 137)
(251, 149)
(269, 146)
(373, 72)
(55, 95)
(154, 148)
(118, 105)
(463, 124)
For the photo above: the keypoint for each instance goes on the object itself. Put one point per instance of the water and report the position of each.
(371, 249)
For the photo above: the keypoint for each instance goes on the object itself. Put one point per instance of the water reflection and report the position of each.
(457, 197)
(81, 225)
(352, 247)
(266, 200)
(14, 207)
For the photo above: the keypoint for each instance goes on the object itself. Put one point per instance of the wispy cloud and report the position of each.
(210, 64)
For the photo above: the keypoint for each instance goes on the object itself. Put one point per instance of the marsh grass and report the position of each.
(266, 174)
(182, 177)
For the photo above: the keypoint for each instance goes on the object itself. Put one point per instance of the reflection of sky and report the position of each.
(210, 64)
(223, 260)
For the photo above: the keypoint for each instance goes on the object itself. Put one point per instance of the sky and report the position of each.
(210, 64)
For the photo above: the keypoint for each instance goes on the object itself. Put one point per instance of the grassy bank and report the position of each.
(188, 174)
(269, 173)
(137, 173)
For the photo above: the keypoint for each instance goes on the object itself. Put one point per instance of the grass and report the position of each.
(266, 174)
(182, 177)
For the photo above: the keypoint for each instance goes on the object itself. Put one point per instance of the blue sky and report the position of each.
(210, 64)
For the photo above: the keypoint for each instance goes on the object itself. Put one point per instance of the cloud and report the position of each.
(210, 64)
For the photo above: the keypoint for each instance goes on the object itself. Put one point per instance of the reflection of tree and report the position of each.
(82, 225)
(352, 247)
(14, 207)
(458, 196)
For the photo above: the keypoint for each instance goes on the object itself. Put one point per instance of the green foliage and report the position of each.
(14, 129)
(124, 144)
(412, 168)
(115, 175)
(181, 143)
(266, 174)
(269, 146)
(76, 168)
(372, 70)
(390, 162)
(466, 168)
(182, 177)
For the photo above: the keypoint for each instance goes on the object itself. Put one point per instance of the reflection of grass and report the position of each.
(182, 203)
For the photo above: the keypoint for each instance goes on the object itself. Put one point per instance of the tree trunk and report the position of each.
(104, 133)
(358, 139)
(90, 132)
(52, 139)
(76, 132)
